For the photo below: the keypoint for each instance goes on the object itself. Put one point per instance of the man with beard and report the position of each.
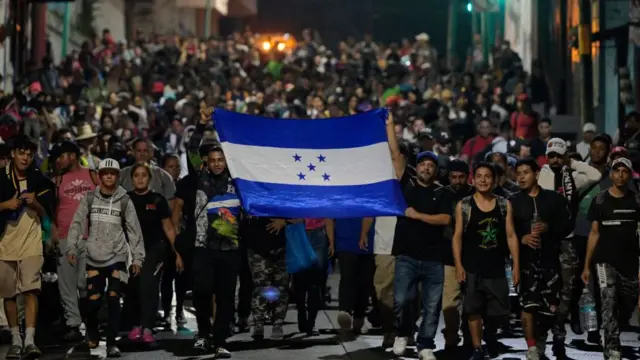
(484, 230)
(613, 249)
(458, 188)
(540, 218)
(565, 176)
(73, 183)
(418, 260)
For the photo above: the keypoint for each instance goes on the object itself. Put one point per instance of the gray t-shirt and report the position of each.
(161, 182)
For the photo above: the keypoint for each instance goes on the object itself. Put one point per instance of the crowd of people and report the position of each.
(112, 167)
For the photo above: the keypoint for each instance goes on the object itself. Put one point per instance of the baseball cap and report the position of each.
(442, 138)
(622, 161)
(556, 145)
(589, 127)
(425, 133)
(427, 155)
(109, 164)
(65, 147)
(619, 150)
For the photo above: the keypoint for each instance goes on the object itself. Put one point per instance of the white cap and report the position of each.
(622, 161)
(109, 164)
(589, 127)
(556, 145)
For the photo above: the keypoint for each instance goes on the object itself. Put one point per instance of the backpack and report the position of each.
(466, 209)
(124, 202)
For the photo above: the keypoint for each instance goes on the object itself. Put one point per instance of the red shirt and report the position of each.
(524, 126)
(475, 145)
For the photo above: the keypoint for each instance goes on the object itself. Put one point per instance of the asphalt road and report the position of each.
(327, 346)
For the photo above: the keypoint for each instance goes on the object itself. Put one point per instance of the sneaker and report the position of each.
(345, 321)
(201, 345)
(277, 333)
(559, 350)
(312, 331)
(31, 352)
(426, 354)
(614, 355)
(222, 353)
(532, 353)
(15, 352)
(258, 331)
(478, 354)
(147, 337)
(135, 334)
(73, 334)
(180, 319)
(113, 352)
(400, 346)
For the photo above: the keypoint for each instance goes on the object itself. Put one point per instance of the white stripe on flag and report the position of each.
(333, 167)
(223, 204)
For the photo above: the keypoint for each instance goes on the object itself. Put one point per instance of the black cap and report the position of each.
(458, 166)
(443, 138)
(64, 147)
(425, 133)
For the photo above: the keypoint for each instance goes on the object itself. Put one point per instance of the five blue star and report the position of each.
(302, 176)
(321, 158)
(311, 167)
(297, 157)
(326, 177)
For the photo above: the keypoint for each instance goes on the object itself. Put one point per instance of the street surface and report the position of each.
(327, 346)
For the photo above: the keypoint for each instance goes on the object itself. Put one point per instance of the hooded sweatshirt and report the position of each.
(107, 244)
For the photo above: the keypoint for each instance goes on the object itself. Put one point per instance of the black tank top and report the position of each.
(484, 243)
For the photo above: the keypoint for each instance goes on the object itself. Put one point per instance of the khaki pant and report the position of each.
(20, 276)
(383, 283)
(3, 317)
(451, 305)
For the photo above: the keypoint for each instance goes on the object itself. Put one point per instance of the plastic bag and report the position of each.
(300, 255)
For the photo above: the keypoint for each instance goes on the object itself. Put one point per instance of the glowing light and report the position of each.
(266, 46)
(281, 46)
(270, 293)
(469, 7)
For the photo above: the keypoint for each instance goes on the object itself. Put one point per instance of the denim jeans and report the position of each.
(408, 273)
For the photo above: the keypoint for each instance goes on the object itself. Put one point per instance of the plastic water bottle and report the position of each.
(588, 314)
(509, 271)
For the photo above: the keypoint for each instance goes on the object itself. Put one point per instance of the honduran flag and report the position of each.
(322, 168)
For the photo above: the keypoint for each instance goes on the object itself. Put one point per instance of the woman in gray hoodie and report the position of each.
(112, 222)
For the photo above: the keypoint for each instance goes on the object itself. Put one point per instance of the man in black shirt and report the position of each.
(541, 220)
(484, 229)
(457, 189)
(419, 246)
(613, 248)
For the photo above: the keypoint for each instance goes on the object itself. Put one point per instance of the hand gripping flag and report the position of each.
(323, 168)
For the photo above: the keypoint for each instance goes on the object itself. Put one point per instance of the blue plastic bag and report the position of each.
(300, 255)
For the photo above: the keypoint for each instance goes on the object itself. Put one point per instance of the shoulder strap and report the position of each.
(90, 196)
(124, 201)
(502, 203)
(600, 197)
(465, 205)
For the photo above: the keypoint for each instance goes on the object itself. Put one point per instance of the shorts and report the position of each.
(486, 296)
(20, 276)
(540, 289)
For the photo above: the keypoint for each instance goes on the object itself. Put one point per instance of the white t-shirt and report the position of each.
(385, 228)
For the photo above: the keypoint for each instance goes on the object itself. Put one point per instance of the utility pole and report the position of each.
(584, 40)
(207, 19)
(65, 30)
(452, 32)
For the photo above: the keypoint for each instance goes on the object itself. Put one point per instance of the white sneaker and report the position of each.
(532, 353)
(426, 354)
(400, 346)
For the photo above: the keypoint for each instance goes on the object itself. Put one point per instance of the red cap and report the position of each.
(157, 87)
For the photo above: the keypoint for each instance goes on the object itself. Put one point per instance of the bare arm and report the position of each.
(512, 241)
(176, 212)
(330, 228)
(457, 237)
(437, 219)
(399, 162)
(170, 232)
(592, 242)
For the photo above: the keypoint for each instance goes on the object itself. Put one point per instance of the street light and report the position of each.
(469, 7)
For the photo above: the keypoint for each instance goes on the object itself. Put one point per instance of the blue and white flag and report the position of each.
(323, 168)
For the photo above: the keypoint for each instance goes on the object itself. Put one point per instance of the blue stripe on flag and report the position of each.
(337, 133)
(305, 201)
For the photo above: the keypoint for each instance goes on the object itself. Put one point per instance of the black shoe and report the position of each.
(593, 337)
(201, 345)
(222, 353)
(302, 321)
(478, 354)
(73, 334)
(493, 348)
(558, 348)
(113, 352)
(312, 331)
(31, 352)
(15, 352)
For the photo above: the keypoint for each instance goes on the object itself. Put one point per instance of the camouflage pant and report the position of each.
(619, 294)
(269, 270)
(569, 269)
